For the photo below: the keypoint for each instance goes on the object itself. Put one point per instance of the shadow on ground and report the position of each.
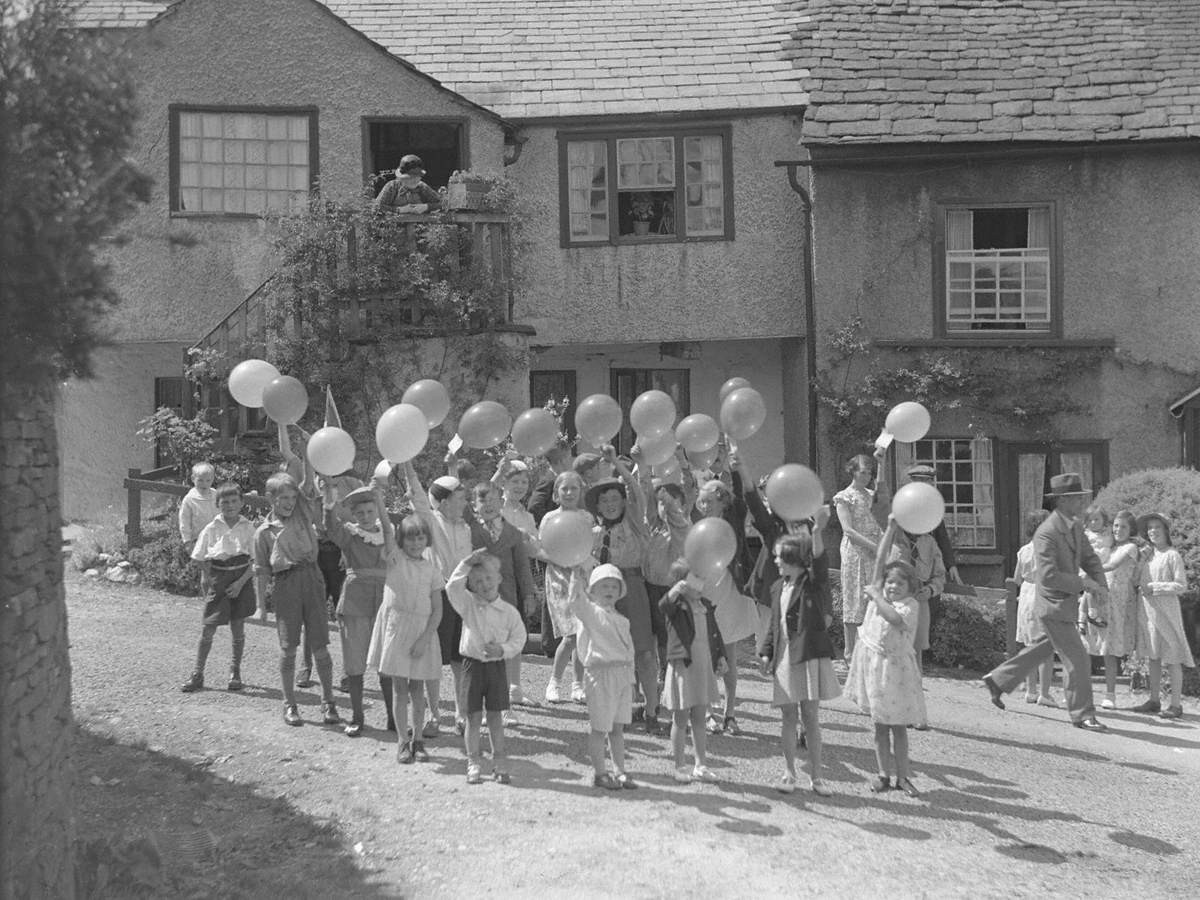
(155, 825)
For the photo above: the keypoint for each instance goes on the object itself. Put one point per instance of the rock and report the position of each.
(91, 573)
(103, 558)
(116, 573)
(134, 578)
(125, 564)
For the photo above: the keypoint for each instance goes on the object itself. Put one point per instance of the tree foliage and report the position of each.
(66, 123)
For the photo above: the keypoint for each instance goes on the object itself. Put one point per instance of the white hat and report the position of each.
(607, 570)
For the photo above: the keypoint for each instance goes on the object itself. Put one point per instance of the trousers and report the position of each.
(1062, 637)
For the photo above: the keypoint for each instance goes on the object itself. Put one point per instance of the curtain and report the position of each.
(1039, 228)
(959, 230)
(1031, 469)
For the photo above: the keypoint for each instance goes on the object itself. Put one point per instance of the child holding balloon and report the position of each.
(560, 587)
(884, 678)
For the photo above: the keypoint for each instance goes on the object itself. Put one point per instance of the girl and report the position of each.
(622, 540)
(512, 477)
(736, 613)
(695, 650)
(223, 549)
(1029, 626)
(796, 649)
(404, 642)
(568, 494)
(860, 535)
(884, 679)
(363, 542)
(1161, 637)
(1104, 624)
(668, 526)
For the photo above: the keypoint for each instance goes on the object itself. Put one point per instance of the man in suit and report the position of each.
(1061, 550)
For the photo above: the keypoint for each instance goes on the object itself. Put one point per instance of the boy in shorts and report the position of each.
(492, 632)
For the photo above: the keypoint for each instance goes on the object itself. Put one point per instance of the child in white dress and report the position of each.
(558, 587)
(1161, 636)
(1029, 626)
(404, 642)
(885, 678)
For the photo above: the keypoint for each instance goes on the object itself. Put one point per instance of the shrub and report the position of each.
(166, 563)
(103, 545)
(966, 637)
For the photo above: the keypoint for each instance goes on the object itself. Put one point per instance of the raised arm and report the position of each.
(883, 551)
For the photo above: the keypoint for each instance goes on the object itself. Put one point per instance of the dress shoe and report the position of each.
(1150, 706)
(994, 690)
(1090, 724)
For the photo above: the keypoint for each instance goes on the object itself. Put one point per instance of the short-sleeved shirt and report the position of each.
(219, 540)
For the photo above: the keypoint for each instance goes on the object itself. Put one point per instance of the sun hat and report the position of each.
(607, 570)
(1069, 484)
(443, 487)
(585, 461)
(359, 495)
(409, 164)
(605, 484)
(1144, 520)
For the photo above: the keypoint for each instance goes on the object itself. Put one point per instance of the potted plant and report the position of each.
(641, 209)
(468, 191)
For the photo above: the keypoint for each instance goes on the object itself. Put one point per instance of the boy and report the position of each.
(490, 532)
(285, 564)
(606, 649)
(491, 633)
(223, 550)
(199, 505)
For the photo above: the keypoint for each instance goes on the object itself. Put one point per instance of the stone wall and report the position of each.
(36, 830)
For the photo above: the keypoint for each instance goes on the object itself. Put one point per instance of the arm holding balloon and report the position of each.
(875, 591)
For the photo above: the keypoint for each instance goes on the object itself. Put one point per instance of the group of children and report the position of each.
(633, 623)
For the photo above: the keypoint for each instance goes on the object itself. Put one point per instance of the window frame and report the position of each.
(941, 324)
(464, 136)
(644, 380)
(610, 136)
(942, 486)
(173, 112)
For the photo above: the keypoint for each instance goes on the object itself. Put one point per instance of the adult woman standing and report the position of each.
(860, 538)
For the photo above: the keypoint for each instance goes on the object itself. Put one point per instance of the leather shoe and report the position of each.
(994, 690)
(1090, 724)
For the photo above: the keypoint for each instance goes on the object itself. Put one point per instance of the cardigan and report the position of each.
(681, 629)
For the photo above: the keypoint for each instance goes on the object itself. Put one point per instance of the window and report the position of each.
(998, 271)
(964, 475)
(646, 187)
(241, 161)
(626, 384)
(441, 144)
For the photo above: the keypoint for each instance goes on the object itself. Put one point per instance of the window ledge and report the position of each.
(984, 558)
(1015, 341)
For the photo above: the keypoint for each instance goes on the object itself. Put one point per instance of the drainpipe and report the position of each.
(810, 312)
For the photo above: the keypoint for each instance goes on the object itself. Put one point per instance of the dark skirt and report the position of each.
(220, 609)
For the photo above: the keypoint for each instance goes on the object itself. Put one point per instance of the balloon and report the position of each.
(794, 492)
(534, 432)
(698, 433)
(705, 459)
(285, 399)
(709, 547)
(401, 433)
(918, 507)
(908, 421)
(430, 398)
(666, 470)
(484, 425)
(247, 380)
(598, 419)
(383, 471)
(743, 413)
(656, 450)
(566, 536)
(732, 385)
(652, 414)
(331, 450)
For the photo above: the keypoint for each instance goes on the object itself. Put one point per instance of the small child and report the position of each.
(1029, 626)
(223, 549)
(404, 643)
(884, 678)
(797, 650)
(606, 649)
(559, 586)
(491, 633)
(363, 543)
(199, 505)
(695, 653)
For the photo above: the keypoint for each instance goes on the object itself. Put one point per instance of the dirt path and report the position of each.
(1014, 804)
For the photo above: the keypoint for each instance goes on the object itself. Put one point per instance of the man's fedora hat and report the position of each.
(1069, 484)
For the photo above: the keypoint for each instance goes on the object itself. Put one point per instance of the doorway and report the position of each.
(441, 144)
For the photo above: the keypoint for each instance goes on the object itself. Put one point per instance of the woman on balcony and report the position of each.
(407, 193)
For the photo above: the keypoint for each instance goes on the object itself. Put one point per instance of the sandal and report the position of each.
(906, 785)
(714, 725)
(354, 729)
(501, 778)
(405, 756)
(787, 784)
(474, 775)
(880, 784)
(626, 782)
(605, 781)
(731, 727)
(820, 788)
(419, 752)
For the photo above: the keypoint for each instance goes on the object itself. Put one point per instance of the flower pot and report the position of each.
(466, 195)
(641, 228)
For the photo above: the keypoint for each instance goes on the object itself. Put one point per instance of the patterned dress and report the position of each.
(884, 678)
(403, 616)
(1121, 612)
(1160, 620)
(857, 564)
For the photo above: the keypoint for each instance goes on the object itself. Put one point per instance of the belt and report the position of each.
(366, 573)
(230, 563)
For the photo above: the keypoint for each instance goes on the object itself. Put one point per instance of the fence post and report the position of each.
(1010, 616)
(133, 507)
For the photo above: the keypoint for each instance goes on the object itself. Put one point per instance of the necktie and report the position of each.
(605, 546)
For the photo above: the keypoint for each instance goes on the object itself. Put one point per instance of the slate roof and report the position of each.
(998, 70)
(554, 58)
(118, 13)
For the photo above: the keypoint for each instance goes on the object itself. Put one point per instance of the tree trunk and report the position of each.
(36, 829)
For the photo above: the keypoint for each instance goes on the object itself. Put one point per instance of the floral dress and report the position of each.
(884, 678)
(1117, 639)
(857, 564)
(1160, 619)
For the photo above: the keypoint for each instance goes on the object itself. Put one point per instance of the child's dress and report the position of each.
(884, 679)
(689, 683)
(1160, 621)
(1029, 626)
(1116, 639)
(403, 616)
(857, 564)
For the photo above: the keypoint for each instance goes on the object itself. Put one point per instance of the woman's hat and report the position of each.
(1143, 521)
(607, 570)
(359, 495)
(585, 461)
(605, 484)
(1069, 484)
(410, 164)
(515, 466)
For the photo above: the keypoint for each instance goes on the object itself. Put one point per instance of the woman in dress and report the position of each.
(1161, 638)
(860, 538)
(1115, 639)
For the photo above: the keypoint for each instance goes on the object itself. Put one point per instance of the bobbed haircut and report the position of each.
(907, 571)
(414, 526)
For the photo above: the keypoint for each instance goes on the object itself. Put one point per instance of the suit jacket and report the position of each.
(1061, 550)
(541, 498)
(516, 577)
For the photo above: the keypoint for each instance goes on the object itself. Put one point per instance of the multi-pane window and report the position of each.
(242, 162)
(964, 475)
(650, 186)
(998, 269)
